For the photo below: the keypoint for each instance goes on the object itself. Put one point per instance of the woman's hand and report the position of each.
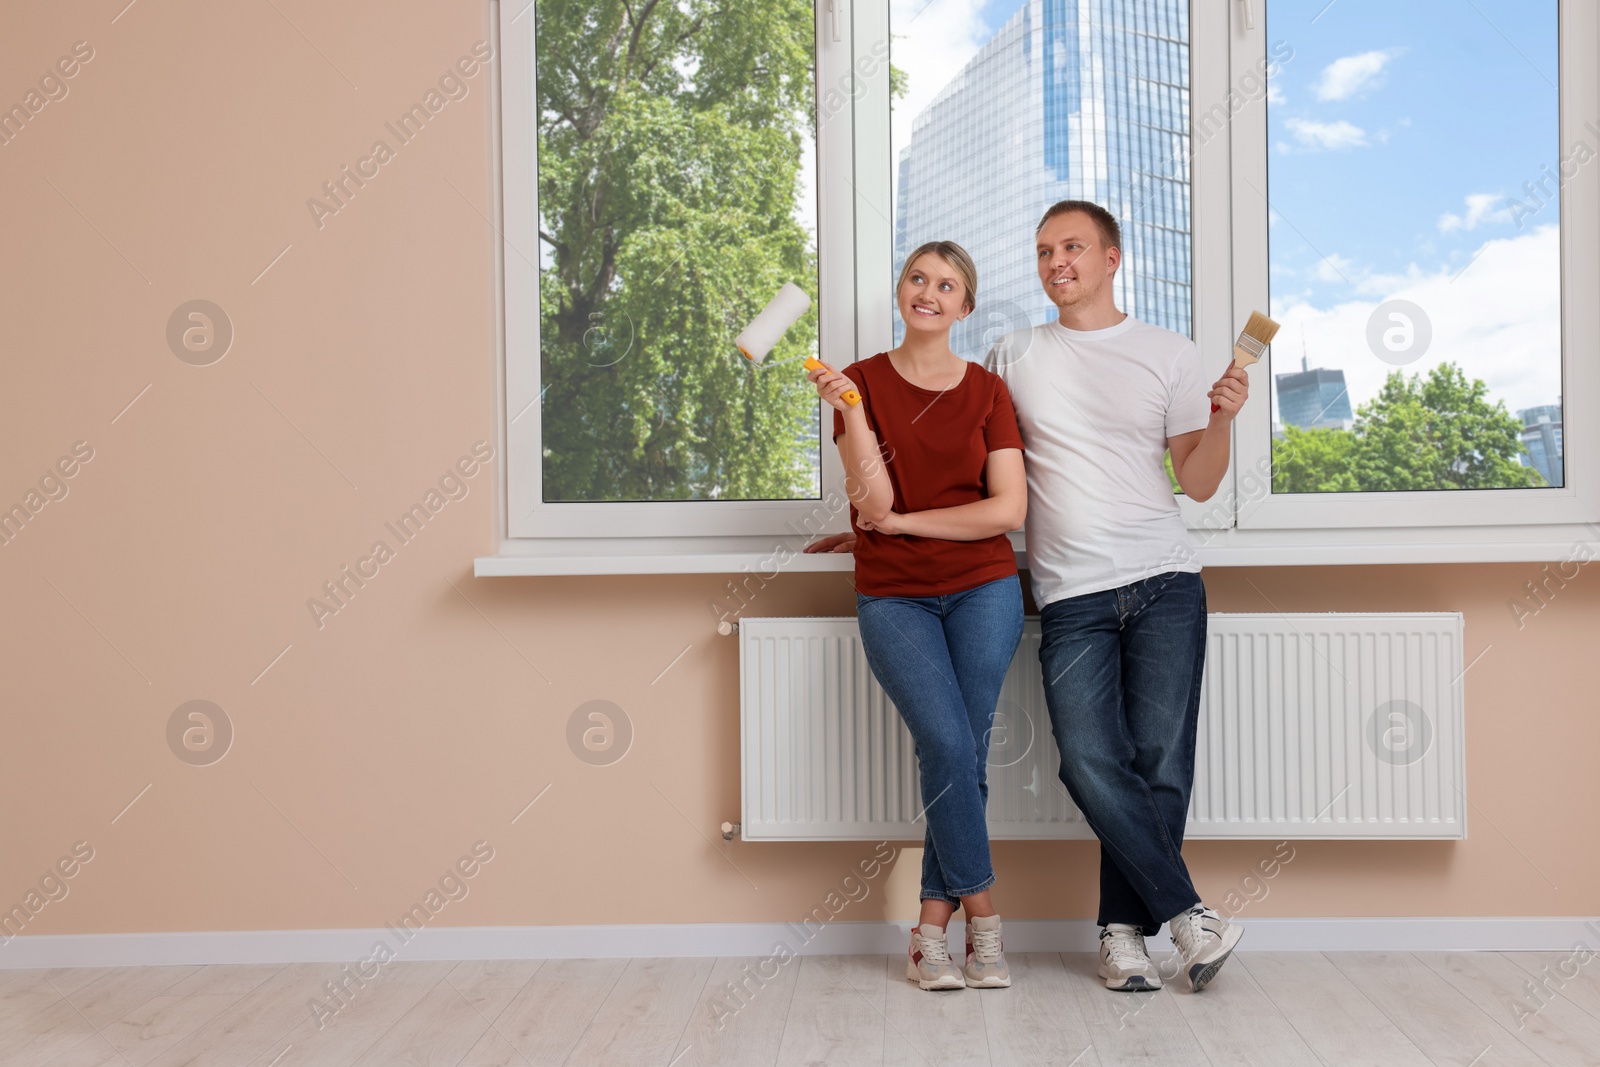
(839, 542)
(889, 524)
(831, 386)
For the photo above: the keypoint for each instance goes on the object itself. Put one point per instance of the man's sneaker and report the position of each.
(986, 963)
(930, 965)
(1204, 939)
(1124, 962)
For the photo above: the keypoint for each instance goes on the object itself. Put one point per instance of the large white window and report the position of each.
(1429, 240)
(1026, 103)
(664, 177)
(1429, 249)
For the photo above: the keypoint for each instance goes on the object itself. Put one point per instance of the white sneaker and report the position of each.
(1204, 939)
(929, 964)
(986, 959)
(1125, 964)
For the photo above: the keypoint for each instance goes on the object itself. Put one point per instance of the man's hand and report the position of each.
(840, 542)
(1229, 395)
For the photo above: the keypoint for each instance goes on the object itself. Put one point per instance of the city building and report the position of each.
(1070, 99)
(1541, 436)
(1314, 398)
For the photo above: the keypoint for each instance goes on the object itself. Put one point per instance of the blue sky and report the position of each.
(1439, 107)
(1401, 136)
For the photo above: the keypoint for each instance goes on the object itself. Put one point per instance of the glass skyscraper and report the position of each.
(1541, 436)
(1314, 399)
(1071, 99)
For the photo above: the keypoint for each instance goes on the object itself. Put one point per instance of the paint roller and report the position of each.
(767, 328)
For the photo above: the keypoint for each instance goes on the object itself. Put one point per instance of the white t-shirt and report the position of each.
(1096, 408)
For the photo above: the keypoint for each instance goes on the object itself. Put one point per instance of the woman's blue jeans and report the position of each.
(942, 660)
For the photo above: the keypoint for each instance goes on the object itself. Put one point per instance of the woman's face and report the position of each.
(933, 296)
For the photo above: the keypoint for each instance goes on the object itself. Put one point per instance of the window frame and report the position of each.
(855, 254)
(528, 517)
(1578, 499)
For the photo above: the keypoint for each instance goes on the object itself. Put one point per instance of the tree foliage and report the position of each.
(1313, 461)
(670, 139)
(1438, 432)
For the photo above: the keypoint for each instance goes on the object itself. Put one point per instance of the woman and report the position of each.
(933, 465)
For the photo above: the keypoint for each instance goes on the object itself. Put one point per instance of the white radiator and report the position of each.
(1311, 726)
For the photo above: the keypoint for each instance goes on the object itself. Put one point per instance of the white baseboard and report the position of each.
(1490, 934)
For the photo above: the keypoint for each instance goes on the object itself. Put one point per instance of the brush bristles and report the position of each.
(1259, 329)
(1253, 339)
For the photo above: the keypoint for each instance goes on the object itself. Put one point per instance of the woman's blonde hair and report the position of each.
(953, 254)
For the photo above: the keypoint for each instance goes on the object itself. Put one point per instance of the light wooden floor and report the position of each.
(1273, 1009)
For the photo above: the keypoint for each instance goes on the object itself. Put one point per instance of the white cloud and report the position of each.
(1499, 320)
(1328, 136)
(1335, 268)
(1480, 208)
(1345, 77)
(1274, 94)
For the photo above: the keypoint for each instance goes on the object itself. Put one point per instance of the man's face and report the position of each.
(1075, 266)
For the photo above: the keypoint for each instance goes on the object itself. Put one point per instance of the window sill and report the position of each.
(664, 563)
(1226, 548)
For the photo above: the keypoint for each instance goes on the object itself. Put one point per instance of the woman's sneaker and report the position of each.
(1125, 964)
(986, 963)
(930, 965)
(1204, 939)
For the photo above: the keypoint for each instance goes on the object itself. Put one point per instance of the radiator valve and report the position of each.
(730, 830)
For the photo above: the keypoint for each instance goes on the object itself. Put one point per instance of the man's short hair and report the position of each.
(1110, 232)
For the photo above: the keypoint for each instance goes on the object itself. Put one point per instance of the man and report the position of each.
(1101, 398)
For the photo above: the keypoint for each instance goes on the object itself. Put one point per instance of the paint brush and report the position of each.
(1253, 341)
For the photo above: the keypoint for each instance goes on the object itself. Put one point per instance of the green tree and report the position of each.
(1438, 432)
(899, 80)
(670, 139)
(1313, 461)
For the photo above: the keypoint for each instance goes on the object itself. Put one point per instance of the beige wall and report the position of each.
(430, 710)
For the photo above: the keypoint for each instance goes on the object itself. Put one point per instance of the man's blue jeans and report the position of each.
(942, 660)
(1122, 674)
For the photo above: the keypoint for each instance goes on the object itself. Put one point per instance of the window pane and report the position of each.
(1011, 105)
(677, 194)
(1413, 179)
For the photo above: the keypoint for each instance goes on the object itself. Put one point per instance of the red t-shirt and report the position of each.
(935, 447)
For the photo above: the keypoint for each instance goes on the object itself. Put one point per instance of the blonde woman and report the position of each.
(933, 460)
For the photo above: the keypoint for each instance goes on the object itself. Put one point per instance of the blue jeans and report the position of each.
(942, 660)
(1122, 674)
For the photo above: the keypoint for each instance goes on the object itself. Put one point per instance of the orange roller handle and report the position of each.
(850, 396)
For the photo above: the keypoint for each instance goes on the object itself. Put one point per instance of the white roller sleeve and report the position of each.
(768, 327)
